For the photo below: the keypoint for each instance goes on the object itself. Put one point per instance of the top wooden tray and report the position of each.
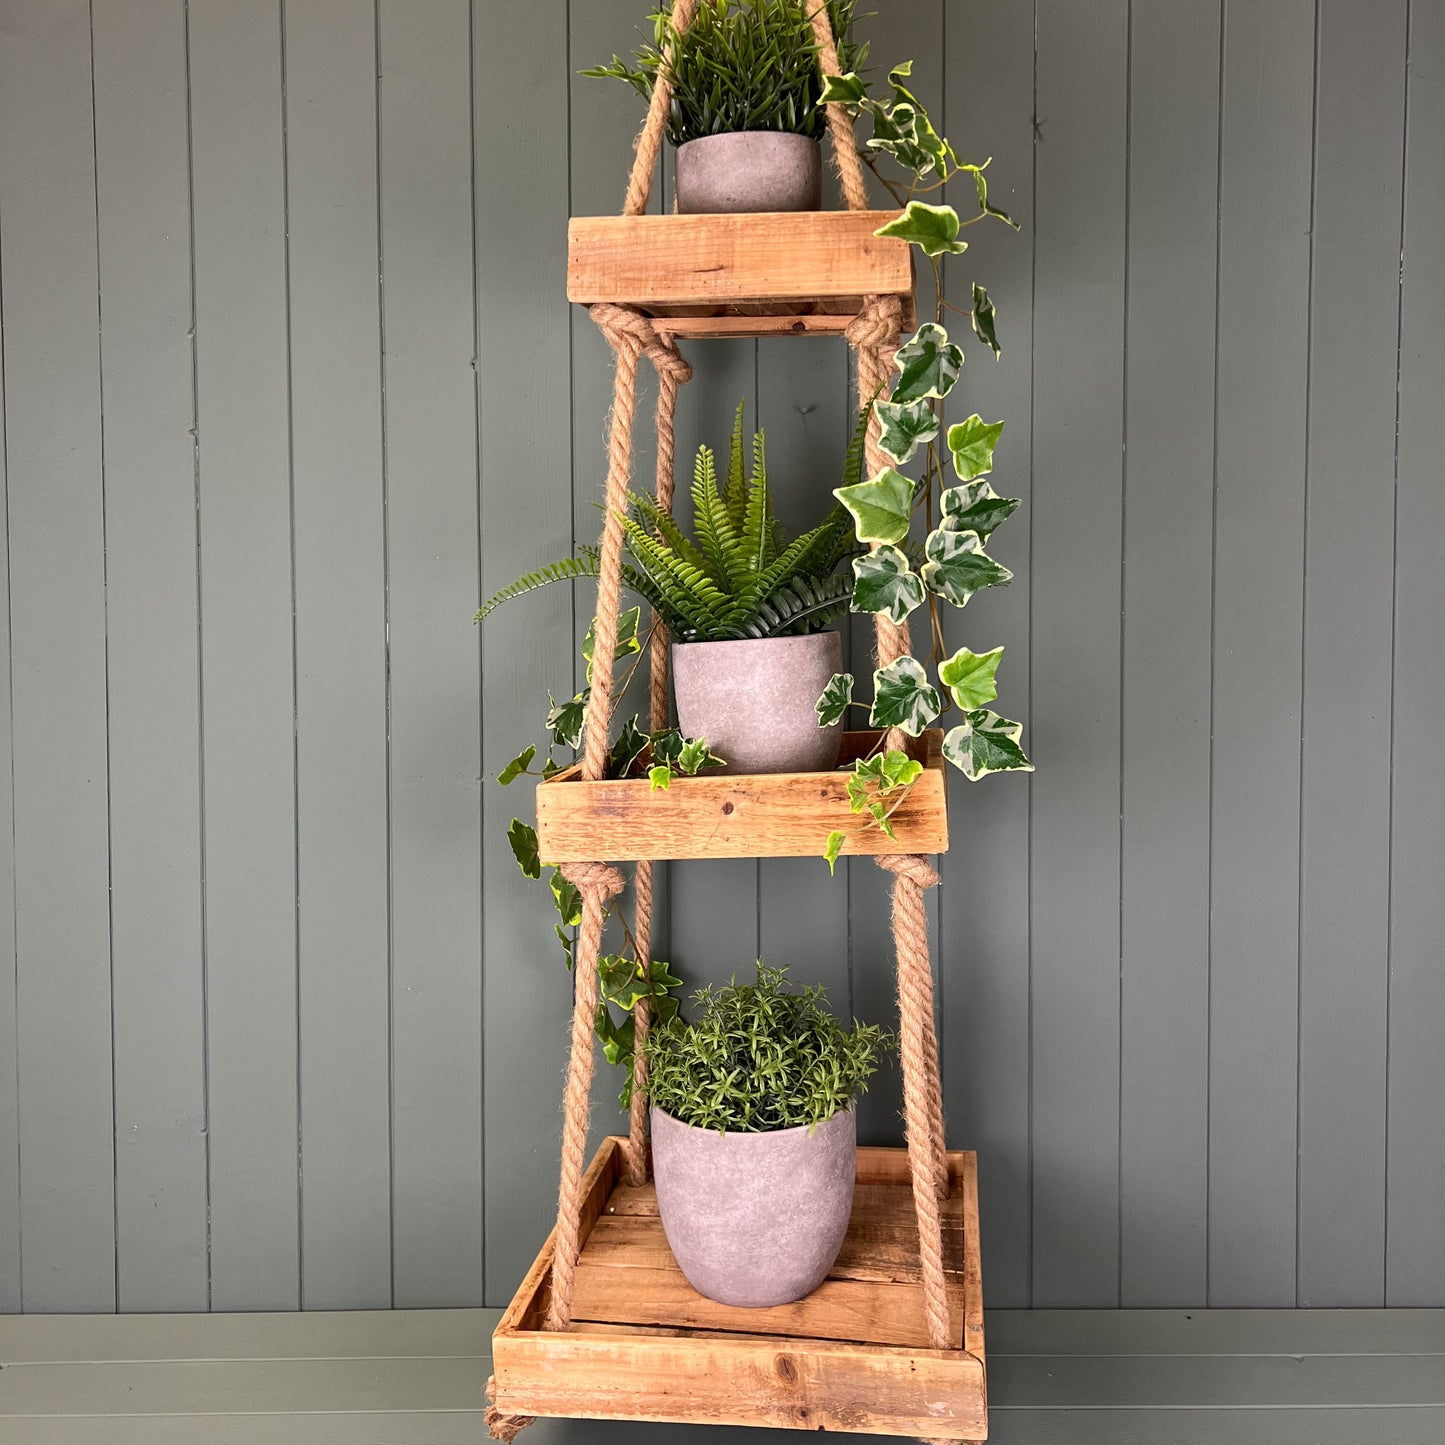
(756, 274)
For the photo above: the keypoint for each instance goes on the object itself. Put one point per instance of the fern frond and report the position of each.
(735, 493)
(708, 516)
(853, 457)
(693, 606)
(566, 570)
(662, 523)
(801, 606)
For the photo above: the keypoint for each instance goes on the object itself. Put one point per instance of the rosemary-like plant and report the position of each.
(741, 65)
(760, 1057)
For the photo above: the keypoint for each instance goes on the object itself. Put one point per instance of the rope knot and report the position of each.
(877, 325)
(499, 1426)
(912, 866)
(627, 326)
(601, 879)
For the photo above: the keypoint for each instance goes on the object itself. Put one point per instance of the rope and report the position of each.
(649, 138)
(500, 1426)
(598, 884)
(912, 875)
(840, 123)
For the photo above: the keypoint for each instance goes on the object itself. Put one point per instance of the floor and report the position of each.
(415, 1378)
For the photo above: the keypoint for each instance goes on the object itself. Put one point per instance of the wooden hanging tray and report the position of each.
(742, 815)
(853, 1356)
(755, 274)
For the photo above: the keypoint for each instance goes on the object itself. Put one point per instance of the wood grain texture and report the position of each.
(247, 656)
(1415, 1145)
(1349, 607)
(679, 261)
(1264, 223)
(1077, 516)
(983, 936)
(432, 540)
(144, 228)
(341, 576)
(55, 496)
(1168, 581)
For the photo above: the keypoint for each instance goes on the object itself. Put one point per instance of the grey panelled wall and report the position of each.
(289, 381)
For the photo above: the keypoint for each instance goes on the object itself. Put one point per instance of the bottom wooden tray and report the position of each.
(853, 1356)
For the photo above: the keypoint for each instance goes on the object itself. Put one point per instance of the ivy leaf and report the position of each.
(969, 676)
(523, 838)
(567, 898)
(566, 719)
(617, 978)
(976, 507)
(695, 755)
(903, 697)
(846, 90)
(972, 443)
(517, 766)
(833, 848)
(660, 776)
(566, 943)
(879, 815)
(834, 703)
(928, 363)
(881, 507)
(986, 743)
(904, 131)
(885, 583)
(934, 229)
(907, 425)
(984, 317)
(957, 565)
(626, 750)
(627, 639)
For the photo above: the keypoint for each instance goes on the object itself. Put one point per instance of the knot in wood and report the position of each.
(911, 866)
(600, 879)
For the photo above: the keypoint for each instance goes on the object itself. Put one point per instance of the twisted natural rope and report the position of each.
(598, 884)
(500, 1426)
(669, 378)
(840, 123)
(649, 138)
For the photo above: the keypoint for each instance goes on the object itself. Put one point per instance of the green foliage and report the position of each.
(986, 743)
(622, 982)
(972, 442)
(957, 565)
(880, 507)
(836, 699)
(884, 582)
(928, 365)
(741, 65)
(933, 229)
(903, 697)
(969, 676)
(760, 1057)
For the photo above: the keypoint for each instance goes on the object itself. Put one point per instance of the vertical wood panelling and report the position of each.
(1415, 1181)
(238, 161)
(522, 78)
(983, 947)
(341, 812)
(1168, 543)
(1264, 266)
(144, 228)
(430, 318)
(9, 1040)
(1075, 513)
(57, 621)
(1349, 582)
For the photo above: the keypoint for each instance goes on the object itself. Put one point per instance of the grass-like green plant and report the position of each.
(741, 65)
(738, 577)
(760, 1057)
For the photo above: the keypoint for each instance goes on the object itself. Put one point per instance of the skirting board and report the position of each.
(414, 1377)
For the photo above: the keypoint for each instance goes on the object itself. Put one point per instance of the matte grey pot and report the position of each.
(755, 1219)
(756, 701)
(749, 170)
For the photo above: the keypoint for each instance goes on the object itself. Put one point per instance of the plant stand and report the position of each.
(604, 1326)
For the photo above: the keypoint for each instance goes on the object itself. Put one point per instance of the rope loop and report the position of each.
(626, 325)
(877, 325)
(600, 879)
(915, 868)
(499, 1426)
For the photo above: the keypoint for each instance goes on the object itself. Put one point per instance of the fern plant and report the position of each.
(737, 576)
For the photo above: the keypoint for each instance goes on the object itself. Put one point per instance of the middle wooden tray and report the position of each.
(745, 815)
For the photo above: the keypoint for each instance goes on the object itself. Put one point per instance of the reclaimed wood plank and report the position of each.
(144, 226)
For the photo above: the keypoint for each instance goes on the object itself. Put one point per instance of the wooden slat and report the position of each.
(57, 624)
(662, 261)
(143, 216)
(1415, 1148)
(1169, 446)
(1076, 516)
(431, 435)
(340, 655)
(248, 713)
(719, 816)
(983, 936)
(1264, 229)
(1349, 612)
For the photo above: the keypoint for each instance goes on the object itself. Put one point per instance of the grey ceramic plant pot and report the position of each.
(756, 701)
(749, 170)
(755, 1219)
